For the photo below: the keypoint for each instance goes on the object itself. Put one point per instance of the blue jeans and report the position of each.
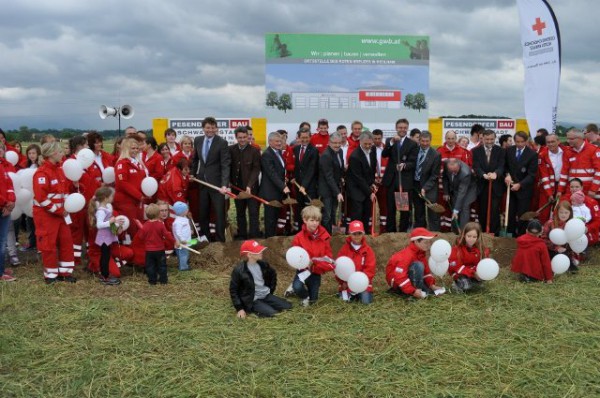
(416, 271)
(4, 224)
(183, 257)
(311, 290)
(365, 297)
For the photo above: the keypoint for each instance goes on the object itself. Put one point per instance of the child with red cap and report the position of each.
(362, 255)
(253, 282)
(407, 272)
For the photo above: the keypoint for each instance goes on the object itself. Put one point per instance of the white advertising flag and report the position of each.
(540, 39)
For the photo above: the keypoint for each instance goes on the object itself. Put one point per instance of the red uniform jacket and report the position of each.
(7, 191)
(593, 227)
(155, 165)
(173, 187)
(317, 245)
(95, 171)
(585, 165)
(181, 155)
(532, 258)
(364, 261)
(50, 186)
(457, 152)
(320, 141)
(463, 261)
(288, 157)
(22, 162)
(547, 179)
(154, 234)
(352, 145)
(396, 272)
(128, 181)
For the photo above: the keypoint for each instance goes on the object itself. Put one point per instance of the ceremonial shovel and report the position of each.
(314, 202)
(436, 207)
(241, 195)
(530, 215)
(274, 203)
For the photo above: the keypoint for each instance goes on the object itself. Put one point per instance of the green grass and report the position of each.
(183, 340)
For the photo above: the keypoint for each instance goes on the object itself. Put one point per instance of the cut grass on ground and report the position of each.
(183, 340)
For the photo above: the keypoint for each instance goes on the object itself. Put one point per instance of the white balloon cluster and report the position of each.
(23, 186)
(573, 235)
(440, 253)
(358, 282)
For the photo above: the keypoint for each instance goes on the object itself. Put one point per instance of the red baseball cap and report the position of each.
(356, 226)
(252, 247)
(421, 233)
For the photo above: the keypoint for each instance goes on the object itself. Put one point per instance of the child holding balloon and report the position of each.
(465, 257)
(363, 257)
(555, 236)
(315, 239)
(532, 260)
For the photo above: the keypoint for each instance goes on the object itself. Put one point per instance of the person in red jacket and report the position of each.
(562, 214)
(129, 173)
(315, 239)
(7, 204)
(407, 272)
(593, 226)
(103, 158)
(154, 234)
(321, 139)
(50, 186)
(171, 138)
(465, 256)
(153, 159)
(362, 255)
(174, 185)
(532, 260)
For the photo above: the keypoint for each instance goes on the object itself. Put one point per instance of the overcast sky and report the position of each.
(61, 59)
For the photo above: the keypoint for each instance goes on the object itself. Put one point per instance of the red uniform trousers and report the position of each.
(79, 228)
(382, 203)
(55, 243)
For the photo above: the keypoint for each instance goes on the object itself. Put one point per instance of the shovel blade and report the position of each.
(275, 203)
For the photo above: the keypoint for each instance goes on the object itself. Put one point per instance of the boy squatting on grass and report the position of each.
(253, 282)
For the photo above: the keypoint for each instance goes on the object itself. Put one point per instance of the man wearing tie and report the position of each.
(460, 190)
(360, 178)
(306, 170)
(212, 163)
(521, 169)
(272, 184)
(488, 166)
(427, 172)
(402, 154)
(331, 171)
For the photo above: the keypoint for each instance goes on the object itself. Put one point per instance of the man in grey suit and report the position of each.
(273, 184)
(212, 164)
(427, 172)
(460, 189)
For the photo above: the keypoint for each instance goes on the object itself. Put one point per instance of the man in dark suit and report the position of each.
(427, 172)
(245, 168)
(460, 189)
(212, 164)
(402, 154)
(306, 168)
(272, 184)
(488, 166)
(360, 179)
(521, 169)
(331, 171)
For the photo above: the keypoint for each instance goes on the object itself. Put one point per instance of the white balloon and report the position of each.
(72, 169)
(558, 236)
(560, 264)
(16, 180)
(438, 268)
(126, 223)
(149, 186)
(16, 213)
(358, 282)
(26, 178)
(297, 257)
(440, 250)
(24, 196)
(85, 157)
(574, 228)
(75, 202)
(12, 157)
(344, 267)
(487, 269)
(580, 244)
(27, 208)
(108, 175)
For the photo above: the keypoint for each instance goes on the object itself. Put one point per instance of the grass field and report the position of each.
(183, 340)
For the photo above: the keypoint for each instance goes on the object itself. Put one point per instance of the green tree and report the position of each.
(272, 99)
(419, 102)
(409, 101)
(24, 133)
(284, 103)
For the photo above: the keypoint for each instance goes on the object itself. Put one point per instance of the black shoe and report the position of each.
(50, 281)
(110, 281)
(525, 279)
(69, 279)
(573, 269)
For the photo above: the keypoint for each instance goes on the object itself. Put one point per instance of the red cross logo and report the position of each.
(539, 26)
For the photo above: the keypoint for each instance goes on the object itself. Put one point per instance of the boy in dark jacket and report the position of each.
(253, 283)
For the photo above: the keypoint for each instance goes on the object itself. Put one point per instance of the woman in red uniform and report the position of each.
(129, 173)
(153, 160)
(103, 158)
(7, 204)
(49, 189)
(174, 185)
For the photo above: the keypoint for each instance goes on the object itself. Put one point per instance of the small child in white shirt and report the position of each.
(580, 210)
(182, 232)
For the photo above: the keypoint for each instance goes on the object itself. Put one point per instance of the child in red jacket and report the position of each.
(315, 239)
(154, 234)
(362, 255)
(562, 214)
(532, 260)
(464, 258)
(407, 272)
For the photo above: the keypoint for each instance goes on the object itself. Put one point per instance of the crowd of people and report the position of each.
(310, 185)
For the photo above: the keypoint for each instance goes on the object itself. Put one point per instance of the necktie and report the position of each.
(519, 154)
(278, 152)
(302, 149)
(488, 154)
(206, 148)
(340, 159)
(420, 165)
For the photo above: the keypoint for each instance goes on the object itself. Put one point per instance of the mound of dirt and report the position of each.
(221, 257)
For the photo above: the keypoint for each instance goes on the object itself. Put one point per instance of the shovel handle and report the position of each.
(230, 194)
(261, 200)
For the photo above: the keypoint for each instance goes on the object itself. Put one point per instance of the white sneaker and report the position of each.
(305, 302)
